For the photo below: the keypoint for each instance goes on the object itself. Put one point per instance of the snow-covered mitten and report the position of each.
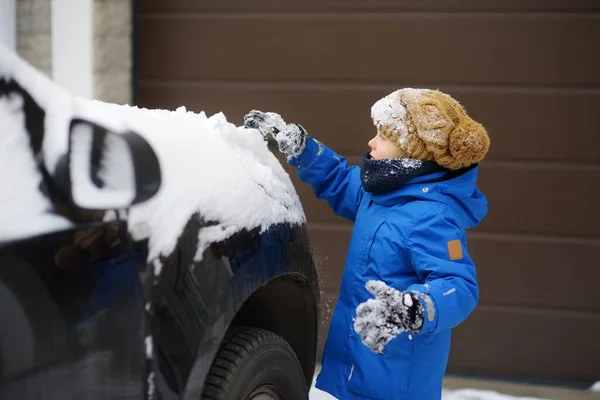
(390, 313)
(291, 138)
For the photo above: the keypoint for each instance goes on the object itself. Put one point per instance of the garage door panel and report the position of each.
(518, 121)
(517, 343)
(547, 201)
(537, 272)
(510, 271)
(456, 50)
(374, 5)
(529, 70)
(539, 201)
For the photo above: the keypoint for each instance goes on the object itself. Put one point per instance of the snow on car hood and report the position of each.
(224, 173)
(209, 166)
(24, 210)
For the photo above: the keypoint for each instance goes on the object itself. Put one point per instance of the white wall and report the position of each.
(8, 23)
(72, 29)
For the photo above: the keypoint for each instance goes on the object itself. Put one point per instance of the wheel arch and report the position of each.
(288, 307)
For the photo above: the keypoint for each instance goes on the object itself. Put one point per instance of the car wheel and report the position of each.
(255, 364)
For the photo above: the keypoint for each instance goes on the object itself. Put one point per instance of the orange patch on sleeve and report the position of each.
(455, 250)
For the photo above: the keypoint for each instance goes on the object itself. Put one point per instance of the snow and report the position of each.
(225, 174)
(209, 166)
(388, 112)
(272, 121)
(475, 394)
(151, 387)
(149, 347)
(461, 394)
(371, 324)
(405, 163)
(407, 300)
(455, 394)
(24, 210)
(391, 116)
(410, 163)
(381, 319)
(54, 100)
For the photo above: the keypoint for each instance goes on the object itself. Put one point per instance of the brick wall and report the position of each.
(34, 33)
(112, 54)
(111, 47)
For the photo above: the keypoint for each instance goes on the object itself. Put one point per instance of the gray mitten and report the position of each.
(390, 313)
(291, 138)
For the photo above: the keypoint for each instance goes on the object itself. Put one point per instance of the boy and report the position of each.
(411, 203)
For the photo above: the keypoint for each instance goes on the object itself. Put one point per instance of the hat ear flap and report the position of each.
(469, 142)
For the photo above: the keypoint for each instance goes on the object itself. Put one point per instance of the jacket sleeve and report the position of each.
(330, 177)
(439, 256)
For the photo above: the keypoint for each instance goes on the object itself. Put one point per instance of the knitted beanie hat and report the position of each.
(429, 125)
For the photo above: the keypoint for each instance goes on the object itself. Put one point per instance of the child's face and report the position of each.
(383, 148)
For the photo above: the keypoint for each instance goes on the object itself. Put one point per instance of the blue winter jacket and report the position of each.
(413, 239)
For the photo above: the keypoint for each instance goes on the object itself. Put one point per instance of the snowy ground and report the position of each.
(460, 394)
(463, 394)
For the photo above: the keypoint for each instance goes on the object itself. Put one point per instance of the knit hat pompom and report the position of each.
(469, 142)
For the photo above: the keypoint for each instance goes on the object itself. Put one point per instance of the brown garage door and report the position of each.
(528, 69)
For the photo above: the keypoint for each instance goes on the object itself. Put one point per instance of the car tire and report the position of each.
(255, 364)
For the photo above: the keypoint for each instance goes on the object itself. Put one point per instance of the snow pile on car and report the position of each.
(24, 210)
(209, 166)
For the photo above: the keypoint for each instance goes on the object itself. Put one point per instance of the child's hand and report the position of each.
(266, 122)
(291, 138)
(392, 312)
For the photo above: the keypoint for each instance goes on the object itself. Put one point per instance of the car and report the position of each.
(147, 254)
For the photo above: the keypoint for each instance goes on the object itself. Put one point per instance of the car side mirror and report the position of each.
(109, 170)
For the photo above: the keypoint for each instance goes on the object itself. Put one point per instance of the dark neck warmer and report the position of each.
(382, 176)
